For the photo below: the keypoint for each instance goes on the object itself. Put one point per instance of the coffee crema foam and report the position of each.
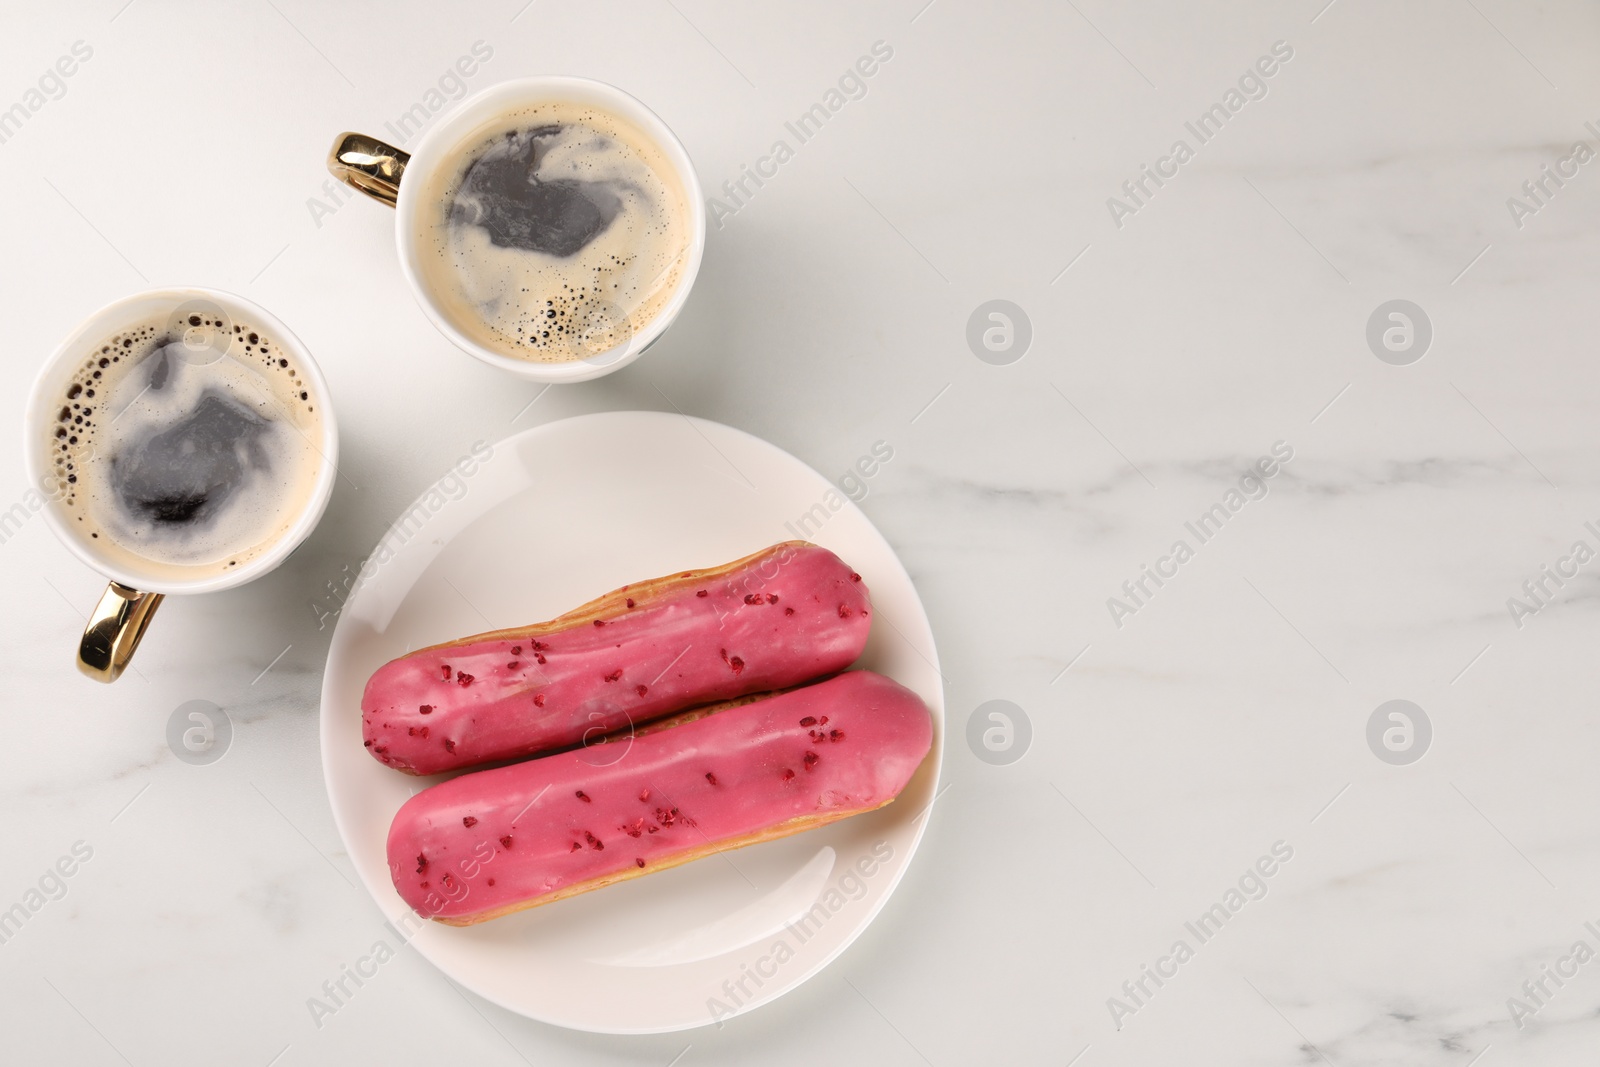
(561, 231)
(188, 447)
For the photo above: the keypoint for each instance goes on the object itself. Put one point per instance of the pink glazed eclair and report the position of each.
(782, 616)
(493, 842)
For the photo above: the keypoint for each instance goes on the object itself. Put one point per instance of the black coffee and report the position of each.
(558, 235)
(187, 444)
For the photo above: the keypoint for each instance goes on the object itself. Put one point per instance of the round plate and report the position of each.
(550, 519)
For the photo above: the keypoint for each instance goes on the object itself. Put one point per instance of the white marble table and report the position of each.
(1177, 336)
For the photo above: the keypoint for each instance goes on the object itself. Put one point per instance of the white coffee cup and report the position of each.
(377, 169)
(136, 588)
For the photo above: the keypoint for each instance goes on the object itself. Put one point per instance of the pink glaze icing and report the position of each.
(788, 614)
(483, 842)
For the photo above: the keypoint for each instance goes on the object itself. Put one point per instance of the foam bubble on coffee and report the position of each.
(187, 447)
(562, 231)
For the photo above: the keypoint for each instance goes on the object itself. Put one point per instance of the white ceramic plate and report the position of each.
(554, 517)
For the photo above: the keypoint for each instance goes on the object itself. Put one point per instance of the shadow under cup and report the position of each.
(178, 441)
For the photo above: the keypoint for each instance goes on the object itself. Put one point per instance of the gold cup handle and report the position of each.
(113, 633)
(367, 164)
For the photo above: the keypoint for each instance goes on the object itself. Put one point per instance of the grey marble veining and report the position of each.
(1171, 747)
